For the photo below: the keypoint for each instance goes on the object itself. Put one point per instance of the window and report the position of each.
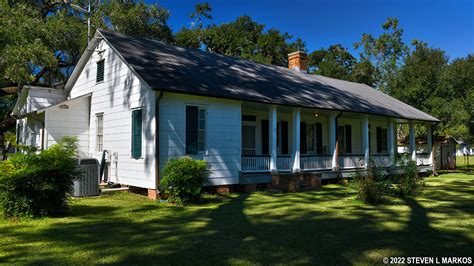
(344, 136)
(282, 137)
(100, 71)
(99, 140)
(265, 137)
(381, 140)
(248, 140)
(19, 133)
(195, 129)
(248, 134)
(310, 138)
(202, 130)
(137, 133)
(341, 139)
(319, 138)
(306, 138)
(348, 139)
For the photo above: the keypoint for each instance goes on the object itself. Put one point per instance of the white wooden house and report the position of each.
(146, 102)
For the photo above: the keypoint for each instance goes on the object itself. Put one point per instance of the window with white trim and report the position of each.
(248, 134)
(381, 140)
(136, 133)
(195, 129)
(99, 140)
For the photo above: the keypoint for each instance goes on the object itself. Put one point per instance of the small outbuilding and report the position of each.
(445, 148)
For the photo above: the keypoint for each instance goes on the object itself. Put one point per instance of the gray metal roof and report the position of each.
(184, 70)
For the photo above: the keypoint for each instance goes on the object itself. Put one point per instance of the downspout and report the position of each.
(157, 142)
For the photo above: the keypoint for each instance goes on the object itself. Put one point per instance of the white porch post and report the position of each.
(412, 145)
(429, 143)
(365, 139)
(272, 115)
(332, 140)
(391, 141)
(296, 140)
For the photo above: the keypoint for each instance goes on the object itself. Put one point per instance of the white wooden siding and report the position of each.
(120, 92)
(40, 98)
(73, 121)
(31, 133)
(223, 134)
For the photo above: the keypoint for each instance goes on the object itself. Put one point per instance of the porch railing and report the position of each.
(255, 163)
(351, 161)
(283, 163)
(422, 159)
(381, 160)
(315, 162)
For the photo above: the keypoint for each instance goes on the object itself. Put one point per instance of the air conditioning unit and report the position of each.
(87, 184)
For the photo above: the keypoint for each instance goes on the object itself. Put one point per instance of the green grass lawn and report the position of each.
(326, 227)
(461, 162)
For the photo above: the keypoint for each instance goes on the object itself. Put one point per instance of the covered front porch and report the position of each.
(287, 139)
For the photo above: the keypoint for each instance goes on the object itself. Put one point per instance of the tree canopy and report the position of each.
(41, 41)
(240, 38)
(337, 62)
(386, 52)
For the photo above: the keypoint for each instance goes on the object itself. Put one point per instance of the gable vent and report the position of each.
(100, 71)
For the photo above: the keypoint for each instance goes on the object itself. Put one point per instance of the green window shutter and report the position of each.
(137, 133)
(100, 71)
(192, 129)
(319, 138)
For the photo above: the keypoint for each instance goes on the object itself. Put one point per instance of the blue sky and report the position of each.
(447, 24)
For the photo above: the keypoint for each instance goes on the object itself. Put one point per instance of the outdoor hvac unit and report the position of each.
(88, 184)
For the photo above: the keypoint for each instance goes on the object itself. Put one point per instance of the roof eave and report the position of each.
(434, 120)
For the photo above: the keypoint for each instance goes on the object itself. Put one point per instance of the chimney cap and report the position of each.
(299, 52)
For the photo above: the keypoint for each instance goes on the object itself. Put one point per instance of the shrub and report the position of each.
(409, 183)
(37, 184)
(372, 187)
(184, 179)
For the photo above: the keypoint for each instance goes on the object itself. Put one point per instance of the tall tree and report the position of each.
(334, 62)
(247, 39)
(364, 72)
(386, 52)
(192, 37)
(418, 78)
(134, 18)
(41, 41)
(201, 11)
(337, 62)
(456, 98)
(429, 82)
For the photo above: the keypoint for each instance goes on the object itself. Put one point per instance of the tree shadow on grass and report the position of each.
(265, 229)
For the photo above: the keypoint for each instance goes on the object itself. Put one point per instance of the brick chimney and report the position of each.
(298, 61)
